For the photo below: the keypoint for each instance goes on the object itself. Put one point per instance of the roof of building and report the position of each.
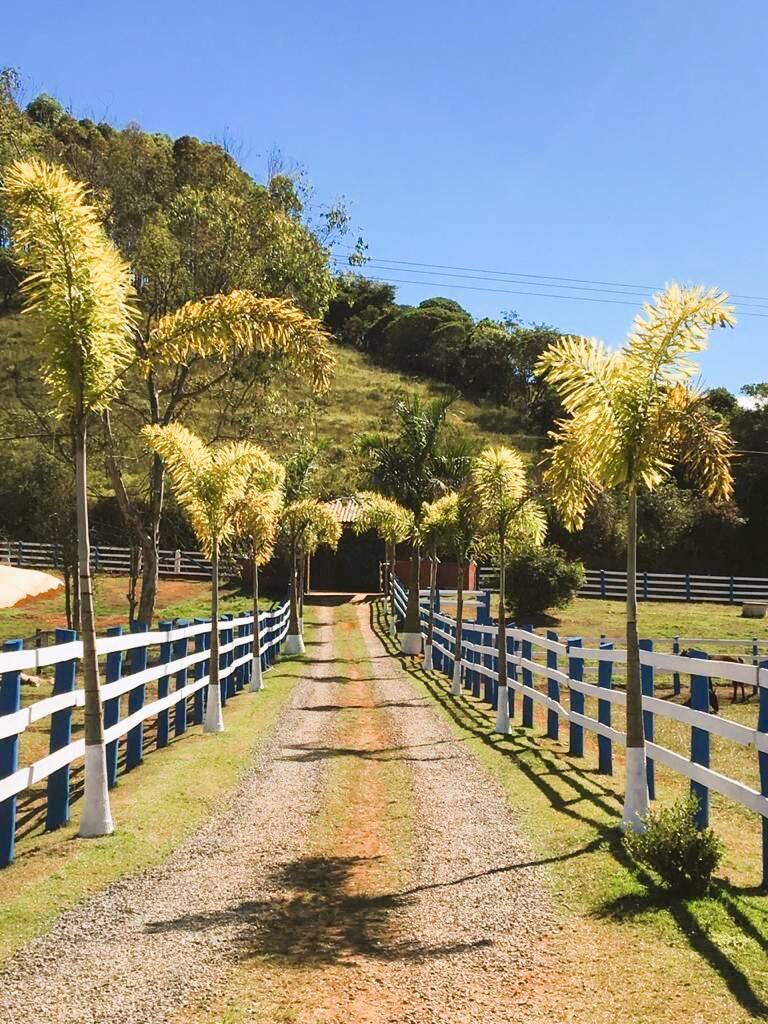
(346, 510)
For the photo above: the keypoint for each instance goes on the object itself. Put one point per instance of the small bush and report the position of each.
(542, 578)
(676, 849)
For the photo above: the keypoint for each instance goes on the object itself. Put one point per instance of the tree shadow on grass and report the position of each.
(598, 808)
(315, 920)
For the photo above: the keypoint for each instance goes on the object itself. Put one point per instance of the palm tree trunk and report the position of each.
(431, 615)
(456, 688)
(392, 552)
(300, 591)
(294, 641)
(410, 642)
(502, 703)
(257, 680)
(636, 785)
(96, 819)
(214, 719)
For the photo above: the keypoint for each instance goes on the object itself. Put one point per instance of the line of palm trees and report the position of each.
(631, 417)
(79, 289)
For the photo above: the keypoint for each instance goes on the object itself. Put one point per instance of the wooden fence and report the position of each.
(108, 559)
(662, 586)
(564, 665)
(143, 692)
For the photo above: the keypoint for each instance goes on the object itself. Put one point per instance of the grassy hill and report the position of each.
(362, 397)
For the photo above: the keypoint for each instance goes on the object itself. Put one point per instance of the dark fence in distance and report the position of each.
(662, 586)
(109, 559)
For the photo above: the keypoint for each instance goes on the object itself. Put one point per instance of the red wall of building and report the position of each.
(446, 574)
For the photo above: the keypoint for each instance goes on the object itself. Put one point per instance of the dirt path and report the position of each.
(366, 871)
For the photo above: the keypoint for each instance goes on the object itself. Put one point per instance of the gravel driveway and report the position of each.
(465, 937)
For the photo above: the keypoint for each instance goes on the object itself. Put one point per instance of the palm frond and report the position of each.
(701, 443)
(498, 485)
(583, 372)
(75, 280)
(209, 481)
(393, 523)
(219, 325)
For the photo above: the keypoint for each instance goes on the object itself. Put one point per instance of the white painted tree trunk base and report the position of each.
(502, 712)
(257, 677)
(456, 688)
(392, 626)
(294, 644)
(636, 801)
(96, 818)
(214, 716)
(427, 663)
(410, 643)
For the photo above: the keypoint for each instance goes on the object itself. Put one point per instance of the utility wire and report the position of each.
(564, 281)
(509, 291)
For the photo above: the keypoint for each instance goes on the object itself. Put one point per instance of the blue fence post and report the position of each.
(10, 702)
(527, 652)
(228, 684)
(602, 583)
(478, 638)
(762, 760)
(553, 692)
(646, 683)
(163, 688)
(486, 660)
(201, 669)
(731, 591)
(604, 743)
(483, 610)
(511, 674)
(178, 651)
(112, 673)
(645, 586)
(687, 586)
(676, 675)
(700, 739)
(576, 703)
(242, 632)
(755, 650)
(57, 811)
(134, 751)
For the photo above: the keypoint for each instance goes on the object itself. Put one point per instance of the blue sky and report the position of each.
(614, 142)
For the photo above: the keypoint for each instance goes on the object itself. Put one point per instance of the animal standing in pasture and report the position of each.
(735, 660)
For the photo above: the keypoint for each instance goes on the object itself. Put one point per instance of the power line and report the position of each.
(564, 281)
(508, 291)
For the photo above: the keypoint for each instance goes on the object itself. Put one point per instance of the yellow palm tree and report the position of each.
(218, 327)
(209, 482)
(306, 524)
(256, 522)
(633, 414)
(461, 528)
(395, 525)
(434, 534)
(80, 288)
(510, 519)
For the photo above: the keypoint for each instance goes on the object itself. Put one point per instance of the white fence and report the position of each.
(110, 559)
(662, 586)
(172, 660)
(562, 666)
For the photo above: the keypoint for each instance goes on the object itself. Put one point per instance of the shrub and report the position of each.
(542, 578)
(683, 855)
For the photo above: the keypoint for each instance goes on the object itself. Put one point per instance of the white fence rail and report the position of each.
(168, 650)
(562, 666)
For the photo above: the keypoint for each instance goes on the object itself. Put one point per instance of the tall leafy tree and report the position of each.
(395, 525)
(461, 529)
(80, 288)
(632, 415)
(257, 518)
(417, 463)
(213, 332)
(210, 482)
(436, 520)
(510, 519)
(306, 524)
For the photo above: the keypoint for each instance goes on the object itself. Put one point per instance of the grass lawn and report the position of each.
(154, 808)
(701, 960)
